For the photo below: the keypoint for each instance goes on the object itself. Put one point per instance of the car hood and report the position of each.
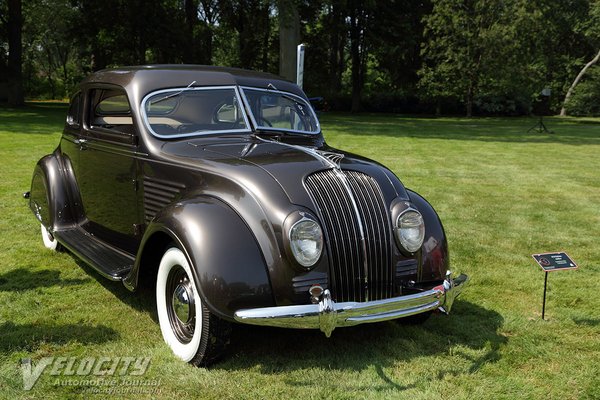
(287, 164)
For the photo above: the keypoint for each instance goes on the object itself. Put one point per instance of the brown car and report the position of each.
(217, 185)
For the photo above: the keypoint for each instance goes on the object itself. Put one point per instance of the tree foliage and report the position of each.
(471, 56)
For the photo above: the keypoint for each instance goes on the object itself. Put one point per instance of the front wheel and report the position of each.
(192, 332)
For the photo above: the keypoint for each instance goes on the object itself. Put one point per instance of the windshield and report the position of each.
(280, 111)
(192, 111)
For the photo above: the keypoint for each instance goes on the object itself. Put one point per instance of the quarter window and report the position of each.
(109, 109)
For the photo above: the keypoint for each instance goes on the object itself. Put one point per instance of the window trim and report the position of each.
(98, 131)
(75, 123)
(236, 91)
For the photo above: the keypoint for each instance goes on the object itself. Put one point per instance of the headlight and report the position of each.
(306, 242)
(410, 230)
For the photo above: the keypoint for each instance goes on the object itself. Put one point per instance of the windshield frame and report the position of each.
(295, 97)
(183, 90)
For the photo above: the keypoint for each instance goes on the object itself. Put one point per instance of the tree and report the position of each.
(591, 28)
(463, 39)
(250, 19)
(289, 37)
(359, 16)
(16, 96)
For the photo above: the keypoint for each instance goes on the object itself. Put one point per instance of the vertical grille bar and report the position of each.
(343, 226)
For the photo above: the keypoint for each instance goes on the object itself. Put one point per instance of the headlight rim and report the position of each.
(398, 230)
(290, 223)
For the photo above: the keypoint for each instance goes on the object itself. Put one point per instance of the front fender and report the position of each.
(435, 259)
(225, 257)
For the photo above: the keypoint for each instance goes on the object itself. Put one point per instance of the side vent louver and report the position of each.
(158, 193)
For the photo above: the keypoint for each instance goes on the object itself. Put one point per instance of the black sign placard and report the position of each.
(554, 261)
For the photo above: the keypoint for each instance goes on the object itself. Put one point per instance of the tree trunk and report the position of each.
(563, 110)
(469, 101)
(265, 39)
(191, 19)
(289, 38)
(16, 96)
(338, 32)
(356, 59)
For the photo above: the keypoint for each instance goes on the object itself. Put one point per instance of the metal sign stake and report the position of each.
(544, 303)
(550, 262)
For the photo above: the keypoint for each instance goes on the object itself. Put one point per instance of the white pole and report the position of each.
(300, 65)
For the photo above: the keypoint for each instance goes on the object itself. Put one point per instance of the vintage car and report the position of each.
(216, 185)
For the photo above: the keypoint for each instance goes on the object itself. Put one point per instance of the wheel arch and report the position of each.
(224, 255)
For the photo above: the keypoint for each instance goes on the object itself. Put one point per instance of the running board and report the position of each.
(107, 260)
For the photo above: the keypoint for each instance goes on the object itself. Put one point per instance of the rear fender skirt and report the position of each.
(222, 250)
(435, 260)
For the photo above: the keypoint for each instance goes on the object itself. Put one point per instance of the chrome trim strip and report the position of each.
(328, 315)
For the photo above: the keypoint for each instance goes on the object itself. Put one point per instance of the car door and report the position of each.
(107, 168)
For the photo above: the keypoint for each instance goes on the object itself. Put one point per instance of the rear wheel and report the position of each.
(49, 240)
(192, 332)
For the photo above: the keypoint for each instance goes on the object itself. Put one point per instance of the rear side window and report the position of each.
(74, 114)
(109, 109)
(113, 105)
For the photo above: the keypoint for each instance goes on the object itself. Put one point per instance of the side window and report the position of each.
(74, 114)
(109, 109)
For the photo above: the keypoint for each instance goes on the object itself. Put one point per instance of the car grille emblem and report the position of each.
(335, 158)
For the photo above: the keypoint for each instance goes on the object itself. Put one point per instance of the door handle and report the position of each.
(81, 142)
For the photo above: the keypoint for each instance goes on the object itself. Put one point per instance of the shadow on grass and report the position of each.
(30, 336)
(471, 329)
(24, 279)
(567, 131)
(587, 321)
(141, 300)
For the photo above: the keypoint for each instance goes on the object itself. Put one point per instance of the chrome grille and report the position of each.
(349, 203)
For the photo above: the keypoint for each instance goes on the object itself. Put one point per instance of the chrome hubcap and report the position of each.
(181, 302)
(181, 307)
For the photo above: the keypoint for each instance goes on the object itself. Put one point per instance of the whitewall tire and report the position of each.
(49, 240)
(188, 327)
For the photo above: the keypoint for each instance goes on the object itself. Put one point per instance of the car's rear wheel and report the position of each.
(49, 240)
(192, 332)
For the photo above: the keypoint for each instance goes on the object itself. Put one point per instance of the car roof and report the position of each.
(140, 80)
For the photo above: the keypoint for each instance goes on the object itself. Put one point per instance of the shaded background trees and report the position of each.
(444, 56)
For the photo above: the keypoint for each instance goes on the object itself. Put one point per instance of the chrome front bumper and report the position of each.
(328, 315)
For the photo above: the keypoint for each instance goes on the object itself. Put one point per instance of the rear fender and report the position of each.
(221, 249)
(49, 198)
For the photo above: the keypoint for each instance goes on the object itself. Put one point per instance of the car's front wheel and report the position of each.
(193, 333)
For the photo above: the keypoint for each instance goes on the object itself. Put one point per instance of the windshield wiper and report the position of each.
(167, 97)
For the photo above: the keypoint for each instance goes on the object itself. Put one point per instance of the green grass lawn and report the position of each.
(503, 194)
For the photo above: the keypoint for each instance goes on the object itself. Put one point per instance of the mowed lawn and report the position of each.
(502, 194)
